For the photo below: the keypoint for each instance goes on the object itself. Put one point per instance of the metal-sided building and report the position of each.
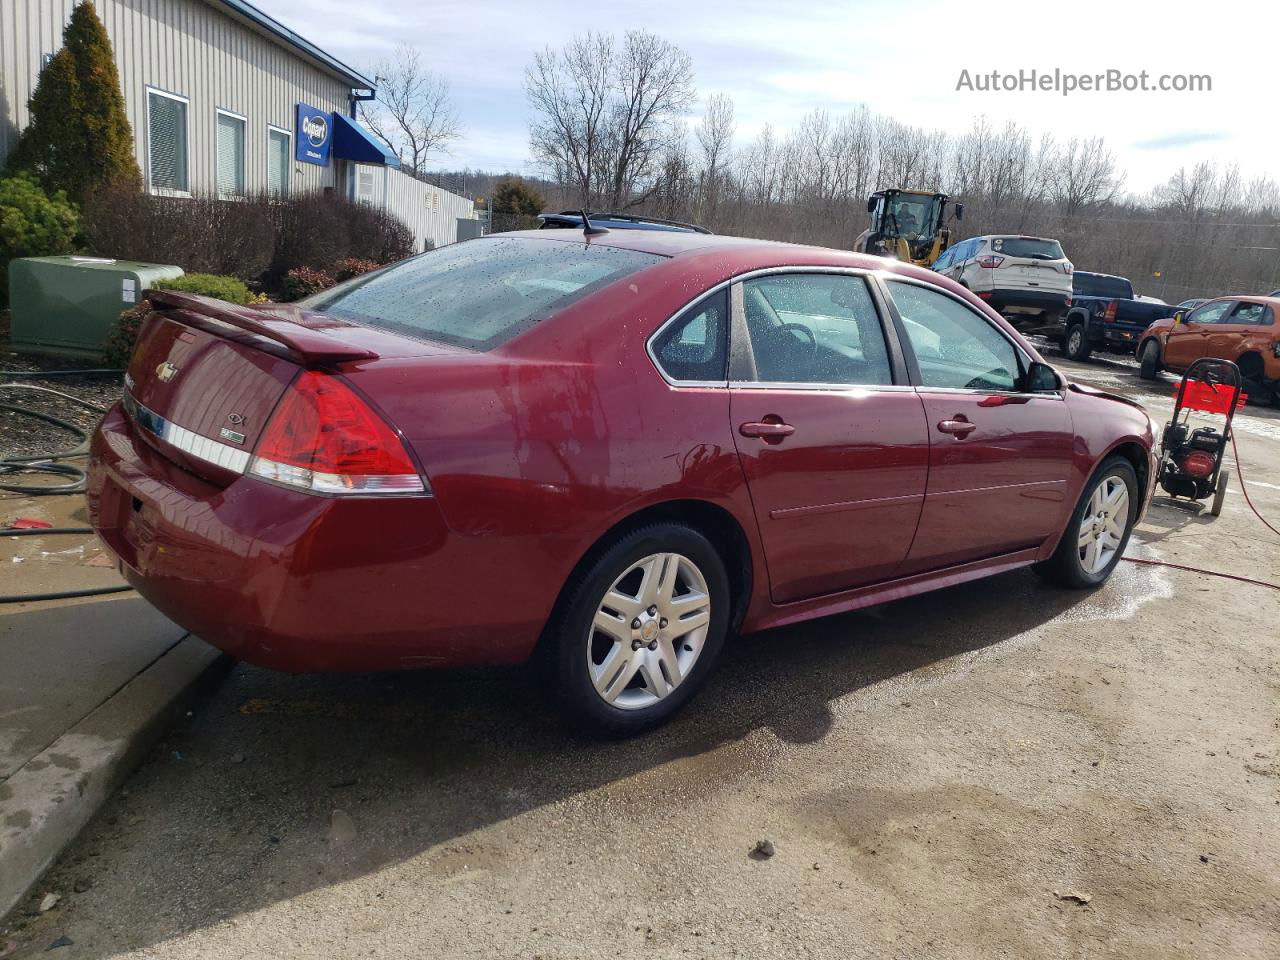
(223, 98)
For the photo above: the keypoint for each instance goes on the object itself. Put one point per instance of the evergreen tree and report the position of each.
(79, 137)
(517, 198)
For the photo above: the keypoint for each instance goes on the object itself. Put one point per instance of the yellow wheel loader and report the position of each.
(908, 225)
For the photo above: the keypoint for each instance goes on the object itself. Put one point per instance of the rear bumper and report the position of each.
(305, 583)
(1118, 338)
(1026, 299)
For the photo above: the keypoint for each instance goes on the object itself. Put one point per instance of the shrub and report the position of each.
(353, 267)
(79, 138)
(202, 234)
(303, 282)
(514, 197)
(124, 335)
(257, 238)
(209, 285)
(32, 224)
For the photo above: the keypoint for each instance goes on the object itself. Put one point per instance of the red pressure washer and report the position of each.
(1191, 460)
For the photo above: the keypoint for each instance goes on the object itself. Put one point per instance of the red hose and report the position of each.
(1215, 573)
(1245, 490)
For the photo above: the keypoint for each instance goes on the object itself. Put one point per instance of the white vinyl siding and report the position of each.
(230, 168)
(167, 161)
(279, 161)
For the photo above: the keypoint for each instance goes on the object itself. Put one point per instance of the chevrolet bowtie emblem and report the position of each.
(166, 371)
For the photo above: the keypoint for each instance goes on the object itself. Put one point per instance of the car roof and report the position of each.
(1015, 236)
(568, 219)
(1109, 276)
(670, 244)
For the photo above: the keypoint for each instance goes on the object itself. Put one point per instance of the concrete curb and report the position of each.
(45, 804)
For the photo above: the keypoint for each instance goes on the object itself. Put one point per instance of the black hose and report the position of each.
(58, 373)
(62, 594)
(44, 463)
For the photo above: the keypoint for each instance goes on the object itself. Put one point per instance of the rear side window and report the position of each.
(480, 293)
(815, 328)
(696, 346)
(1028, 247)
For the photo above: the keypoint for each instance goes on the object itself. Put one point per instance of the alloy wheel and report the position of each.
(1102, 528)
(648, 631)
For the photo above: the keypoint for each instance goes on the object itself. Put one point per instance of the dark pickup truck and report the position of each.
(1104, 316)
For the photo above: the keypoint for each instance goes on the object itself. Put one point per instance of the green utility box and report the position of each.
(69, 305)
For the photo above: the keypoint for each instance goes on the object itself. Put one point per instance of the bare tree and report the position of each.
(715, 138)
(606, 114)
(1086, 176)
(414, 114)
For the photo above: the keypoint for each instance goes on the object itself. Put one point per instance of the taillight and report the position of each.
(985, 294)
(990, 262)
(324, 439)
(1068, 299)
(1109, 314)
(1067, 267)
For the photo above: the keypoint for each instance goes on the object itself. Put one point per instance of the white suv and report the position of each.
(1028, 279)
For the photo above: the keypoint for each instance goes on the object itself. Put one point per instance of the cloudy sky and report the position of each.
(780, 60)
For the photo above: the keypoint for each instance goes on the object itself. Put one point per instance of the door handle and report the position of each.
(959, 428)
(771, 430)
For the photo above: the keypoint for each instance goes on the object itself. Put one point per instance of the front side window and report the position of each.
(1211, 312)
(230, 155)
(696, 346)
(955, 346)
(815, 328)
(166, 142)
(480, 293)
(279, 156)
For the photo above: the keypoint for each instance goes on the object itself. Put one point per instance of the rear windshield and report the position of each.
(1097, 285)
(1028, 247)
(479, 293)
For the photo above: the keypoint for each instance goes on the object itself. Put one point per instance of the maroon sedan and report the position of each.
(614, 449)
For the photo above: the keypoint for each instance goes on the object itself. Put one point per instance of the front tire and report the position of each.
(1150, 360)
(640, 631)
(1099, 528)
(1075, 343)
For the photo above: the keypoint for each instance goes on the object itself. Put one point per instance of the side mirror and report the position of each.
(1042, 378)
(959, 211)
(871, 204)
(1177, 318)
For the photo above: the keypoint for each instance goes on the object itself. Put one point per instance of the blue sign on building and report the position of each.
(314, 135)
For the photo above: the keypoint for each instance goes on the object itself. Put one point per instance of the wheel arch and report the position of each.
(1251, 363)
(713, 521)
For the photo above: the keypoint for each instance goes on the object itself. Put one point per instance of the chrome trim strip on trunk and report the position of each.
(202, 448)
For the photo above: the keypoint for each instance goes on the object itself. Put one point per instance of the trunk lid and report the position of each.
(207, 375)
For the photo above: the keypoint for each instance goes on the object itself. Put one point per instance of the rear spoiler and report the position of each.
(299, 332)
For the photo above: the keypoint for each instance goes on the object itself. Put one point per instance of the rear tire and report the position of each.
(1075, 343)
(1098, 531)
(1149, 367)
(1220, 494)
(615, 679)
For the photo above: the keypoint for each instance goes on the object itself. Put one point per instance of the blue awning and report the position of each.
(353, 142)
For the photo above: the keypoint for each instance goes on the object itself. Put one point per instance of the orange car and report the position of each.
(1240, 329)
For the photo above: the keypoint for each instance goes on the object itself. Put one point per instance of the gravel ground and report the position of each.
(25, 436)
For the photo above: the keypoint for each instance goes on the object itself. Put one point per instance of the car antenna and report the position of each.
(587, 229)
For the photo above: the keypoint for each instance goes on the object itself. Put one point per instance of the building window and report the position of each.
(166, 142)
(230, 154)
(279, 159)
